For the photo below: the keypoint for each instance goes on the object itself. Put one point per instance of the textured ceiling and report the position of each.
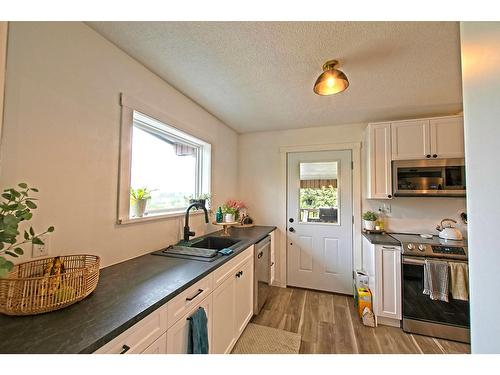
(259, 75)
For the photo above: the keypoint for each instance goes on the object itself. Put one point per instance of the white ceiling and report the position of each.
(258, 76)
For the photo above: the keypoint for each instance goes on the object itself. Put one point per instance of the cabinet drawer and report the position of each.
(138, 337)
(180, 304)
(223, 272)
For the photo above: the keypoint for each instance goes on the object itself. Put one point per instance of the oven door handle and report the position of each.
(417, 262)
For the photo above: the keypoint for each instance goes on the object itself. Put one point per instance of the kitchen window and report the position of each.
(173, 165)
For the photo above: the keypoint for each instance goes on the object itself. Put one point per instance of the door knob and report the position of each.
(291, 230)
(290, 220)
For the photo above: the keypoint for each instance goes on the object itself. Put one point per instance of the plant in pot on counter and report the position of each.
(230, 210)
(369, 218)
(139, 199)
(16, 207)
(204, 199)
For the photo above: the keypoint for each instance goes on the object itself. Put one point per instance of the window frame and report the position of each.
(163, 123)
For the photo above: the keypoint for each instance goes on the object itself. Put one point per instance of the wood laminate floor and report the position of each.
(329, 323)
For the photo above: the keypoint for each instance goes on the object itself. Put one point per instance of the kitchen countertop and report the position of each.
(381, 239)
(126, 293)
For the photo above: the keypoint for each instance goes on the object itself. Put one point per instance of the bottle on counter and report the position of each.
(218, 215)
(381, 220)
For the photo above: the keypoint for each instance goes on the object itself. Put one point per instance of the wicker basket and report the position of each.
(26, 291)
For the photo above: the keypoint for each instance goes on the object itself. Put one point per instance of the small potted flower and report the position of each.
(139, 199)
(369, 218)
(231, 209)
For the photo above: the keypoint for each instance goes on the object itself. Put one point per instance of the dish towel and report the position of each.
(198, 333)
(436, 284)
(459, 280)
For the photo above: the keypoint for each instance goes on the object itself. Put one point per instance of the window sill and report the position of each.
(154, 217)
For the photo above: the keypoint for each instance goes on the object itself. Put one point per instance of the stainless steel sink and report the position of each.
(215, 243)
(204, 249)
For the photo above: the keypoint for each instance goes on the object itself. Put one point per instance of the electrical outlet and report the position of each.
(387, 208)
(41, 250)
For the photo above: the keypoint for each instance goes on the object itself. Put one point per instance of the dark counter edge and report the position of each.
(381, 239)
(119, 330)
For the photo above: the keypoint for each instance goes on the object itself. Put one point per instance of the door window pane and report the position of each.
(318, 193)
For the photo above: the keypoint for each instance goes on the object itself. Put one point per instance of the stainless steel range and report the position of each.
(422, 315)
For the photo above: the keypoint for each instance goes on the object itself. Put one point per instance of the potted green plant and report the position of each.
(139, 199)
(15, 208)
(369, 218)
(230, 210)
(204, 199)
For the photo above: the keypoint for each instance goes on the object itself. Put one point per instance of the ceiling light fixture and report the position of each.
(331, 81)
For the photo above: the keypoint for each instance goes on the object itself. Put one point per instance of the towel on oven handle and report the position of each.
(436, 283)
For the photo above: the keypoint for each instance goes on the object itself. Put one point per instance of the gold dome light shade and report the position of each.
(331, 81)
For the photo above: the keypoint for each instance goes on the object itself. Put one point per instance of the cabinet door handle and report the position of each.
(272, 264)
(238, 274)
(260, 255)
(389, 196)
(434, 156)
(428, 156)
(196, 295)
(125, 348)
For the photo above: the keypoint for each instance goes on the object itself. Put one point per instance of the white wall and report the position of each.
(260, 174)
(61, 134)
(419, 215)
(481, 90)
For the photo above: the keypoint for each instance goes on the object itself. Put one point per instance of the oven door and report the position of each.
(419, 306)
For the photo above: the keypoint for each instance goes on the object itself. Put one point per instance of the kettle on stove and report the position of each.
(448, 231)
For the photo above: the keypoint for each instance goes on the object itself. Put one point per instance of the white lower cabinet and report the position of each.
(224, 316)
(178, 334)
(388, 281)
(383, 265)
(227, 297)
(233, 305)
(157, 347)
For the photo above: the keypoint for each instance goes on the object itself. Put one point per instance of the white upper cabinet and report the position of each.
(410, 140)
(447, 137)
(378, 152)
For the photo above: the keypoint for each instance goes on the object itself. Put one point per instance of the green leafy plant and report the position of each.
(229, 210)
(140, 194)
(202, 198)
(326, 196)
(15, 208)
(370, 216)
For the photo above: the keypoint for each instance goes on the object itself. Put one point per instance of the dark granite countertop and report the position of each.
(381, 239)
(126, 293)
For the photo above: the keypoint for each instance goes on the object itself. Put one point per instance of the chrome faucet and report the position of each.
(187, 232)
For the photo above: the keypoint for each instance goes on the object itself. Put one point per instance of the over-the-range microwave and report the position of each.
(429, 178)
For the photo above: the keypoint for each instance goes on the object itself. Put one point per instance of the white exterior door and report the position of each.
(319, 209)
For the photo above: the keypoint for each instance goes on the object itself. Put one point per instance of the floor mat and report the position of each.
(257, 339)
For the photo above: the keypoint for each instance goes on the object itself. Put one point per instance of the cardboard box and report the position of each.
(361, 280)
(364, 300)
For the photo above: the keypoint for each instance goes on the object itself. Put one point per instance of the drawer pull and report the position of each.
(125, 348)
(196, 295)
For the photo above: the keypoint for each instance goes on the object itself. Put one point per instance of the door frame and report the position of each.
(355, 149)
